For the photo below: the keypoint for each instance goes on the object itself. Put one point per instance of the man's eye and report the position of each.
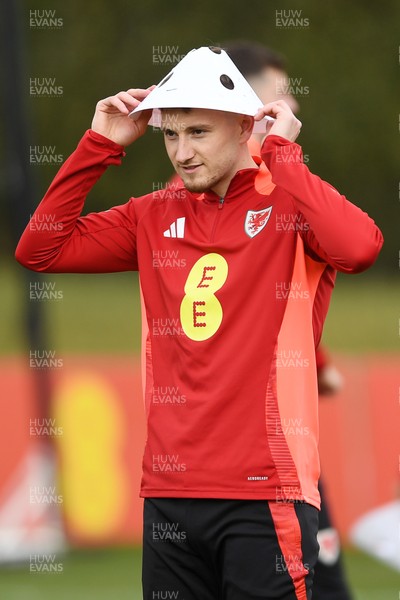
(198, 131)
(169, 133)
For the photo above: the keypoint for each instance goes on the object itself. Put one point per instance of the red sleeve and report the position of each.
(333, 228)
(58, 240)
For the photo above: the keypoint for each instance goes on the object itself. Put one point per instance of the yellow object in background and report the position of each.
(94, 484)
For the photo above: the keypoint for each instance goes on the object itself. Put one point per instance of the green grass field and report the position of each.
(104, 574)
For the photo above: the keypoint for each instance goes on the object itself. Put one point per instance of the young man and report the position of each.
(231, 497)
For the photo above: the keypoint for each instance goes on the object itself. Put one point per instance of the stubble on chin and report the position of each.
(195, 188)
(199, 187)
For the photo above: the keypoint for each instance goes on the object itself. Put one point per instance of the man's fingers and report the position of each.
(260, 114)
(140, 93)
(111, 103)
(273, 109)
(139, 90)
(136, 91)
(285, 123)
(125, 102)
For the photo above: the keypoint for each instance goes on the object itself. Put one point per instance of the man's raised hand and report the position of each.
(285, 124)
(111, 116)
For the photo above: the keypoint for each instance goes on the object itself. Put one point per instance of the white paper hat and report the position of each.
(205, 78)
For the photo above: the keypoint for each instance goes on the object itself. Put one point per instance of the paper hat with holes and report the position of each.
(204, 78)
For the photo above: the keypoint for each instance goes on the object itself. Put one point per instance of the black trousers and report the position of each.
(205, 549)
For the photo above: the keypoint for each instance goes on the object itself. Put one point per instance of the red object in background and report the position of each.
(98, 405)
(359, 437)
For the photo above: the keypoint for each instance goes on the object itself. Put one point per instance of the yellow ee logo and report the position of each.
(201, 312)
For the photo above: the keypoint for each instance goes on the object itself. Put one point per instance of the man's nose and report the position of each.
(184, 151)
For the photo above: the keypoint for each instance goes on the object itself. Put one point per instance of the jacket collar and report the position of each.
(257, 179)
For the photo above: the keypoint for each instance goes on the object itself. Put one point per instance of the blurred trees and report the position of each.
(346, 54)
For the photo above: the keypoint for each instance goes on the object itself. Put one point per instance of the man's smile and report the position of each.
(190, 168)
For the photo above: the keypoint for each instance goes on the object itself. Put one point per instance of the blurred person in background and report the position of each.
(266, 71)
(330, 582)
(213, 474)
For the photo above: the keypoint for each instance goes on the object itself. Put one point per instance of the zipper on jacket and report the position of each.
(220, 206)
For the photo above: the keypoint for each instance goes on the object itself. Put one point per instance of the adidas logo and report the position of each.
(176, 229)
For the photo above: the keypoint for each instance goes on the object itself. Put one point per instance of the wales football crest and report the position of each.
(256, 220)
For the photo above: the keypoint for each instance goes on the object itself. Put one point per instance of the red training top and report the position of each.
(236, 291)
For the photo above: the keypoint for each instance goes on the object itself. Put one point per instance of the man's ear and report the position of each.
(246, 123)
